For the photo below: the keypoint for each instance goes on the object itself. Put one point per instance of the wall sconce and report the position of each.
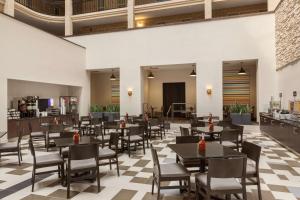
(129, 91)
(140, 23)
(208, 91)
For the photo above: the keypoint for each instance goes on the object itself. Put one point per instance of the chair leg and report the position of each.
(180, 184)
(62, 171)
(144, 147)
(110, 164)
(117, 162)
(19, 158)
(128, 146)
(33, 179)
(98, 179)
(161, 135)
(258, 188)
(152, 185)
(68, 185)
(197, 191)
(158, 189)
(189, 188)
(21, 154)
(228, 196)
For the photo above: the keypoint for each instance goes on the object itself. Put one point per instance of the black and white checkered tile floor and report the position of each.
(279, 171)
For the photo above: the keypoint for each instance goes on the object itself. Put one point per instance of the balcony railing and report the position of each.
(88, 6)
(48, 7)
(142, 2)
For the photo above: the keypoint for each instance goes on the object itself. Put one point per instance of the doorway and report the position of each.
(174, 93)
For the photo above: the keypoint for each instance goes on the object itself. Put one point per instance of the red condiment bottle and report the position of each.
(123, 124)
(76, 137)
(202, 144)
(211, 127)
(126, 117)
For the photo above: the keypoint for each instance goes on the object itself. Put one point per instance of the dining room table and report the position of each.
(67, 142)
(190, 152)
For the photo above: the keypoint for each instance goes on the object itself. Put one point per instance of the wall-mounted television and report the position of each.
(43, 104)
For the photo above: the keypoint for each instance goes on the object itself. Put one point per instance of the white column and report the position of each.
(130, 13)
(208, 9)
(9, 7)
(68, 18)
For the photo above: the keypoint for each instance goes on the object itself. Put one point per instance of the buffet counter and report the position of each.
(287, 132)
(12, 128)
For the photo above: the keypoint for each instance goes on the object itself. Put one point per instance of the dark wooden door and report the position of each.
(173, 93)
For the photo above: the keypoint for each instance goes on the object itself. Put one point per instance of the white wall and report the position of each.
(288, 81)
(207, 44)
(27, 53)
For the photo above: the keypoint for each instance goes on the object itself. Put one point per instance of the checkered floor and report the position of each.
(279, 171)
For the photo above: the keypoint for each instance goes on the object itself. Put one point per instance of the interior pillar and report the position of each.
(68, 18)
(9, 7)
(130, 14)
(208, 9)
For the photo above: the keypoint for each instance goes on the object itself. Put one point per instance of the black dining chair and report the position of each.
(136, 136)
(13, 148)
(104, 138)
(222, 178)
(154, 128)
(37, 135)
(184, 131)
(53, 132)
(253, 152)
(110, 154)
(169, 172)
(194, 125)
(83, 158)
(45, 161)
(230, 138)
(84, 124)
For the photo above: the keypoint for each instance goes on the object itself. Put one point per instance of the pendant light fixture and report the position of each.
(113, 77)
(150, 75)
(242, 70)
(193, 73)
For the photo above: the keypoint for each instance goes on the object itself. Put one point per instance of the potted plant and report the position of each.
(240, 114)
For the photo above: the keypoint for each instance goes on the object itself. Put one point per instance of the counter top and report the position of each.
(42, 117)
(290, 122)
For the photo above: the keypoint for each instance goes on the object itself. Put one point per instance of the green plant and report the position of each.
(113, 108)
(96, 108)
(239, 108)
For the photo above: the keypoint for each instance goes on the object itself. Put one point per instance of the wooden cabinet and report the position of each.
(286, 132)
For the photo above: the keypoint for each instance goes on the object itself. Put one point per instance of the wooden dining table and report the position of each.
(67, 142)
(190, 152)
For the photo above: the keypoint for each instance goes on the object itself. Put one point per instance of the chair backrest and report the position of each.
(82, 152)
(197, 124)
(56, 128)
(66, 134)
(229, 135)
(226, 168)
(32, 151)
(184, 131)
(135, 130)
(85, 118)
(114, 140)
(156, 165)
(154, 122)
(252, 151)
(187, 139)
(95, 121)
(99, 131)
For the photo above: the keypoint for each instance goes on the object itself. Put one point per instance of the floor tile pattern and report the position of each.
(279, 171)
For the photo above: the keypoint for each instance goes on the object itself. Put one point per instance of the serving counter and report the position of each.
(287, 132)
(12, 128)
